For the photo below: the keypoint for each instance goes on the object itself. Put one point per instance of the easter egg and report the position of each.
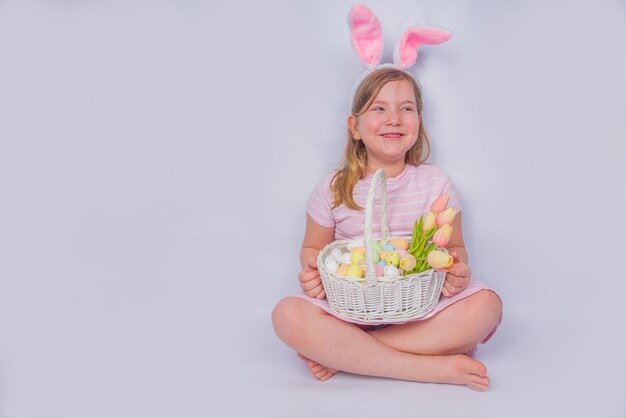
(393, 259)
(384, 254)
(343, 270)
(375, 257)
(355, 271)
(363, 264)
(358, 250)
(331, 264)
(356, 257)
(376, 247)
(355, 243)
(399, 243)
(388, 247)
(391, 271)
(379, 270)
(336, 254)
(382, 263)
(346, 258)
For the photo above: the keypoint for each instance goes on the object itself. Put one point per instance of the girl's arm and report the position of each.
(459, 276)
(316, 237)
(456, 242)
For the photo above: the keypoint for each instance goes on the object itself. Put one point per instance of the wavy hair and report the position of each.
(354, 165)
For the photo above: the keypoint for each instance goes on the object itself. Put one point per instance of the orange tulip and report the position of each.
(429, 221)
(446, 217)
(442, 236)
(439, 205)
(439, 260)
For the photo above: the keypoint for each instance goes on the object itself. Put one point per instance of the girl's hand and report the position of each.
(457, 277)
(310, 280)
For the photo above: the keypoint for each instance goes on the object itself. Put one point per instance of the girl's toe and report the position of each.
(317, 368)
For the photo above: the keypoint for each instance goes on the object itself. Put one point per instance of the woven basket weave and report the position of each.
(382, 299)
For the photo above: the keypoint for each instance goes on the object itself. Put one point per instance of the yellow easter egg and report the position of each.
(356, 257)
(399, 243)
(342, 270)
(393, 259)
(355, 271)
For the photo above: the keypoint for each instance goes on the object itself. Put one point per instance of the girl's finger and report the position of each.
(307, 276)
(455, 281)
(445, 291)
(451, 288)
(311, 284)
(322, 294)
(314, 291)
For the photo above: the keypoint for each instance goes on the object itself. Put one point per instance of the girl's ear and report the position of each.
(366, 34)
(405, 53)
(352, 125)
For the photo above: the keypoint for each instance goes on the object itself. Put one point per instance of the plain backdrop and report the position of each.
(156, 158)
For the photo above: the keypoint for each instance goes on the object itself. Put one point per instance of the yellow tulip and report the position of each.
(442, 236)
(429, 221)
(446, 217)
(439, 260)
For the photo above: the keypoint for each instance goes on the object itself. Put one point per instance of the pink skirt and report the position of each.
(472, 287)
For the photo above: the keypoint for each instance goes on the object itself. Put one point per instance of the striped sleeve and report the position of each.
(446, 186)
(319, 204)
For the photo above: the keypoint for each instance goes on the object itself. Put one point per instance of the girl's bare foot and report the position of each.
(319, 371)
(461, 370)
(456, 369)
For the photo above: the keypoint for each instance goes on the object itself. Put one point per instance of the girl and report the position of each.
(385, 131)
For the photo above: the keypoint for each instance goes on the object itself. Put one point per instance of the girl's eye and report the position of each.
(377, 108)
(409, 108)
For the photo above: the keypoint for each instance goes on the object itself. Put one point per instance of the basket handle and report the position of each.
(378, 178)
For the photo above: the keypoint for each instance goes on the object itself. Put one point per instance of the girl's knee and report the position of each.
(490, 303)
(286, 316)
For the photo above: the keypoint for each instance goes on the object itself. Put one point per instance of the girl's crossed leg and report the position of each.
(428, 351)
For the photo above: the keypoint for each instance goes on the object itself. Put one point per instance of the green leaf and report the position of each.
(414, 237)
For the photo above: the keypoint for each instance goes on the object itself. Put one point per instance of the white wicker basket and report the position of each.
(383, 299)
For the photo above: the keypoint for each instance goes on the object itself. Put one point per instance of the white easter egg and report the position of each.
(346, 258)
(336, 254)
(391, 271)
(331, 264)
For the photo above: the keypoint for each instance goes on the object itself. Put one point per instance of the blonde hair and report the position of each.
(354, 165)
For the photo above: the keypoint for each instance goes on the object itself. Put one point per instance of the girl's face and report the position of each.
(390, 125)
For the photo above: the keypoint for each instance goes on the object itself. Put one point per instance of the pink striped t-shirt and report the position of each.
(409, 196)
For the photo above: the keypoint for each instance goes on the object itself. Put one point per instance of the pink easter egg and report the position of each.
(378, 270)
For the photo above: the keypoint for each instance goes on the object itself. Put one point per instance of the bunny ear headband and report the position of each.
(367, 41)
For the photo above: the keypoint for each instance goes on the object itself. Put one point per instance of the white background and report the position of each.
(156, 158)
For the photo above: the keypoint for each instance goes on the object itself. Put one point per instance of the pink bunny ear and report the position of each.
(366, 33)
(406, 50)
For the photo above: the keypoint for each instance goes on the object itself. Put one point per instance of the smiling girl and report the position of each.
(385, 131)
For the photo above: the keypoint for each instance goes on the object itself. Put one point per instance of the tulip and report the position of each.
(408, 262)
(439, 260)
(439, 205)
(446, 217)
(429, 221)
(442, 236)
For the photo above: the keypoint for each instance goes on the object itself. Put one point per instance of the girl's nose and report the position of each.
(393, 118)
